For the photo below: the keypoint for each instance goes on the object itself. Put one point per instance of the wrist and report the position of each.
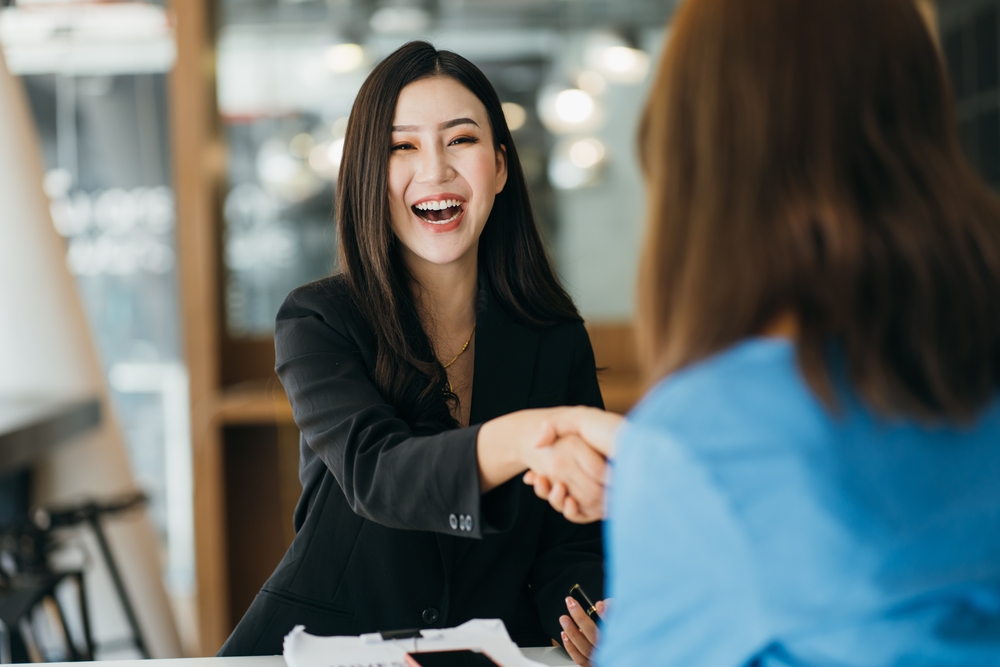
(500, 448)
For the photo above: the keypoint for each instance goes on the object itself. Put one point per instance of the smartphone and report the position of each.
(463, 658)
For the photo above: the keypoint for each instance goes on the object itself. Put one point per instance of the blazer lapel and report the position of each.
(503, 370)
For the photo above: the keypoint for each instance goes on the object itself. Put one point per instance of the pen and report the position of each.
(577, 593)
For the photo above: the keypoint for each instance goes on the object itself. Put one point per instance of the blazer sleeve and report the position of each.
(570, 553)
(388, 475)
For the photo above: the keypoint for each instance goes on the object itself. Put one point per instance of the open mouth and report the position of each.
(438, 212)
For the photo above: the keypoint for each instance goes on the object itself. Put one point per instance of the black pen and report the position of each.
(589, 607)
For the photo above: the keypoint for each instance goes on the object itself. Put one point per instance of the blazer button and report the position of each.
(453, 522)
(430, 615)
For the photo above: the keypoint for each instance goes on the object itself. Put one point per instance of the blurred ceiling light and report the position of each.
(614, 58)
(574, 105)
(564, 175)
(325, 158)
(335, 153)
(284, 175)
(342, 58)
(72, 215)
(515, 115)
(319, 160)
(301, 145)
(586, 153)
(339, 127)
(57, 183)
(591, 82)
(397, 20)
(275, 165)
(577, 163)
(568, 110)
(115, 211)
(270, 246)
(119, 256)
(625, 65)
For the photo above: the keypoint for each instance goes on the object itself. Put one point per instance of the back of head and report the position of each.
(802, 157)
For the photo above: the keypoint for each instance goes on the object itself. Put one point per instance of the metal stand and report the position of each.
(21, 594)
(88, 636)
(20, 599)
(95, 523)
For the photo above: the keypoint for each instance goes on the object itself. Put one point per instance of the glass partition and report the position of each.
(572, 77)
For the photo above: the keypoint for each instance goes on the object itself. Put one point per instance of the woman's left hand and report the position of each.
(580, 633)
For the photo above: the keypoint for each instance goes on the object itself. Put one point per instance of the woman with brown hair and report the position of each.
(816, 479)
(424, 377)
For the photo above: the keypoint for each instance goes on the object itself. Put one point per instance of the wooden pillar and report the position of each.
(196, 171)
(928, 9)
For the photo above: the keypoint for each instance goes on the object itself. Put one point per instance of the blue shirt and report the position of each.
(749, 525)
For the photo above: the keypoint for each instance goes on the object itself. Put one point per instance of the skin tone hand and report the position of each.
(597, 429)
(581, 472)
(561, 444)
(560, 498)
(552, 441)
(580, 634)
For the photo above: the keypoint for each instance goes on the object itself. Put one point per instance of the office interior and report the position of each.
(168, 175)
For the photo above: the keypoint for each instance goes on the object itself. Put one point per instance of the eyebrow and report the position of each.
(443, 126)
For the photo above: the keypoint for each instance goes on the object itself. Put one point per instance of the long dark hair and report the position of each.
(803, 157)
(512, 258)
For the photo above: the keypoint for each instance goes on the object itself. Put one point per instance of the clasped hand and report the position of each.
(567, 462)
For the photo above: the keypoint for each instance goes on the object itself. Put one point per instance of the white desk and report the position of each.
(546, 656)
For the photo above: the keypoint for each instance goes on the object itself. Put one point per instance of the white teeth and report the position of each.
(437, 205)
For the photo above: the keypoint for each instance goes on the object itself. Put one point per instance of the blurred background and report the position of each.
(190, 156)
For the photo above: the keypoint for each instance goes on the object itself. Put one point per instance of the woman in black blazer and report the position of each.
(411, 374)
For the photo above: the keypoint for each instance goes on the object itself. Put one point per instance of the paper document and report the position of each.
(488, 636)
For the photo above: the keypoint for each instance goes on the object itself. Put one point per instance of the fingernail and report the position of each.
(564, 621)
(600, 607)
(570, 603)
(565, 638)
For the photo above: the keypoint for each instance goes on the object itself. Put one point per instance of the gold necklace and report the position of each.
(464, 347)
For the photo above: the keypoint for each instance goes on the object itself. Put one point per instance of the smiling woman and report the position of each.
(427, 156)
(425, 378)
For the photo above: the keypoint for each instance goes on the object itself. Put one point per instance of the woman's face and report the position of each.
(444, 171)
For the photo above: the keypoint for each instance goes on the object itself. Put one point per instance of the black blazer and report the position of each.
(392, 531)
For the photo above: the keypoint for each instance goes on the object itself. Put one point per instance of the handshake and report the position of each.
(564, 450)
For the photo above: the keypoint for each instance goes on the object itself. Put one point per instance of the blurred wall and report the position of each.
(600, 227)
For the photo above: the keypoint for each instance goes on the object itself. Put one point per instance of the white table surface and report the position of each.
(545, 655)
